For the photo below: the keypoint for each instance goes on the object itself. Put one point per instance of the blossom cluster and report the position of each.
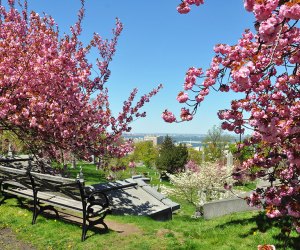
(185, 8)
(132, 164)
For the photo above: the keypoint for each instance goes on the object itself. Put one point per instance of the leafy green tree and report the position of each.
(171, 158)
(195, 155)
(145, 151)
(181, 156)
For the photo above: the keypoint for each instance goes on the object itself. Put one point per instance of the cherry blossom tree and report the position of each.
(264, 67)
(48, 95)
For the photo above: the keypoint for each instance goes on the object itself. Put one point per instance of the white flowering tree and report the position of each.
(200, 183)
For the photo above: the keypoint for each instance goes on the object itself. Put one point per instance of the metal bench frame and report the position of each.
(48, 192)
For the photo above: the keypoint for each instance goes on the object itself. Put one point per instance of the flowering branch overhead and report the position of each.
(46, 86)
(264, 67)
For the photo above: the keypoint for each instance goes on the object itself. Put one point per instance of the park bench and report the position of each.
(49, 192)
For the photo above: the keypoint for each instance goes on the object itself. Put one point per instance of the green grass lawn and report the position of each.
(236, 231)
(92, 176)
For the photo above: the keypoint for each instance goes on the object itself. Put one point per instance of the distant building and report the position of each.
(138, 139)
(156, 140)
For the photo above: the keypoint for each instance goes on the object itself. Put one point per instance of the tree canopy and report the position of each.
(145, 151)
(46, 85)
(263, 66)
(171, 158)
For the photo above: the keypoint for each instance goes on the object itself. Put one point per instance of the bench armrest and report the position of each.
(98, 198)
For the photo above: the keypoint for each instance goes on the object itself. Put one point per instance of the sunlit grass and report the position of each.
(236, 231)
(92, 175)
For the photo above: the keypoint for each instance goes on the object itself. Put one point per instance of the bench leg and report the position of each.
(84, 227)
(6, 197)
(40, 209)
(97, 222)
(88, 223)
(35, 210)
(48, 207)
(20, 201)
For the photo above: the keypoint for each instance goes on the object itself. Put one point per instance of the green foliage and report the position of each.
(124, 161)
(181, 154)
(171, 158)
(145, 152)
(243, 154)
(195, 156)
(6, 137)
(245, 186)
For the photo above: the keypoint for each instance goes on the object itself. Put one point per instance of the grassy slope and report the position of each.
(237, 231)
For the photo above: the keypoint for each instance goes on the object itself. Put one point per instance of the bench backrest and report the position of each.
(15, 176)
(24, 178)
(17, 163)
(71, 188)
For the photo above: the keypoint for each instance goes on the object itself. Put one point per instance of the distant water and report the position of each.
(177, 139)
(193, 143)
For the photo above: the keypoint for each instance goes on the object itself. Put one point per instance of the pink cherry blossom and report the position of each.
(185, 115)
(183, 8)
(48, 95)
(182, 97)
(290, 10)
(263, 66)
(168, 116)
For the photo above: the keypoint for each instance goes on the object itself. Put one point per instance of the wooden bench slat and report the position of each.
(12, 170)
(15, 184)
(52, 178)
(48, 198)
(51, 199)
(19, 192)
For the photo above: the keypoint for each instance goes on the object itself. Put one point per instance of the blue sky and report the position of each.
(157, 46)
